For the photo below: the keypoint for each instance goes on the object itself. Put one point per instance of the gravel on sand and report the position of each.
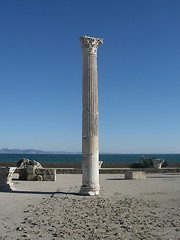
(117, 215)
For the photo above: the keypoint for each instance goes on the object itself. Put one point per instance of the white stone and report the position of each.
(6, 178)
(157, 163)
(135, 175)
(90, 138)
(100, 163)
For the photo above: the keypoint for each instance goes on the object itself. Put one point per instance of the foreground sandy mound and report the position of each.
(65, 216)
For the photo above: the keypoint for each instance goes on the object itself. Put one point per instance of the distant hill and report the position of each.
(31, 151)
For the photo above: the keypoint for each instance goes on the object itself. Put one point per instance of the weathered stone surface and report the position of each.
(23, 163)
(28, 173)
(90, 139)
(47, 177)
(31, 173)
(157, 163)
(117, 170)
(47, 174)
(31, 169)
(135, 175)
(6, 178)
(27, 169)
(47, 171)
(31, 177)
(22, 173)
(39, 178)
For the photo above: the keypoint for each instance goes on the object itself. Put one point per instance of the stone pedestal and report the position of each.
(6, 178)
(90, 141)
(157, 163)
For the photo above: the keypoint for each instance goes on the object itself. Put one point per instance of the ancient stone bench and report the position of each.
(37, 174)
(6, 178)
(134, 175)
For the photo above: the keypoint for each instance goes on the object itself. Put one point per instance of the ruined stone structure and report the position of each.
(157, 163)
(32, 170)
(90, 141)
(6, 178)
(31, 173)
(24, 163)
(134, 175)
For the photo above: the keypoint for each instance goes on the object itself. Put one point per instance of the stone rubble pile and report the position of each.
(32, 170)
(24, 163)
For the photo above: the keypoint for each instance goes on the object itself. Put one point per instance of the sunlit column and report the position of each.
(90, 142)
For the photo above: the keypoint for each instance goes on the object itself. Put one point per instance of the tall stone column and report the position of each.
(90, 141)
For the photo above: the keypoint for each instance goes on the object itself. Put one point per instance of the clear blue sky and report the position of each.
(138, 74)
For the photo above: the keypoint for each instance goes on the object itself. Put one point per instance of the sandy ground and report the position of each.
(125, 209)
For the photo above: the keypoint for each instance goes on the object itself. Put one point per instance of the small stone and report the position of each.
(117, 234)
(19, 228)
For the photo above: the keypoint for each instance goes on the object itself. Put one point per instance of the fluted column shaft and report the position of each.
(90, 141)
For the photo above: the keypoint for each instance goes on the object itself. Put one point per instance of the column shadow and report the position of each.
(114, 179)
(38, 192)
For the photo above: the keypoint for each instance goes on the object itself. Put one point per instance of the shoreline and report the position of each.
(78, 164)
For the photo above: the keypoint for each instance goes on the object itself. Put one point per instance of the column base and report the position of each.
(89, 191)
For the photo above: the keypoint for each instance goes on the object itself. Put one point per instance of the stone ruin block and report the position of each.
(6, 178)
(134, 175)
(45, 171)
(31, 173)
(157, 163)
(32, 170)
(39, 178)
(22, 173)
(24, 163)
(48, 174)
(49, 177)
(27, 169)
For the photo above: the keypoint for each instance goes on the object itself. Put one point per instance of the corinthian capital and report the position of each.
(90, 44)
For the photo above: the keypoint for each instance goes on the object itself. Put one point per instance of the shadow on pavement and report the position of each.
(38, 192)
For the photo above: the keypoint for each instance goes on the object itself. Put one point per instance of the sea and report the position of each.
(78, 157)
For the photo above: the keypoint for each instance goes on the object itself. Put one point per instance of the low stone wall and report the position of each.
(38, 174)
(68, 165)
(147, 170)
(114, 170)
(68, 171)
(118, 170)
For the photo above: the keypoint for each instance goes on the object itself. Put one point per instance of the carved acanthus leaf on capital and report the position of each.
(90, 43)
